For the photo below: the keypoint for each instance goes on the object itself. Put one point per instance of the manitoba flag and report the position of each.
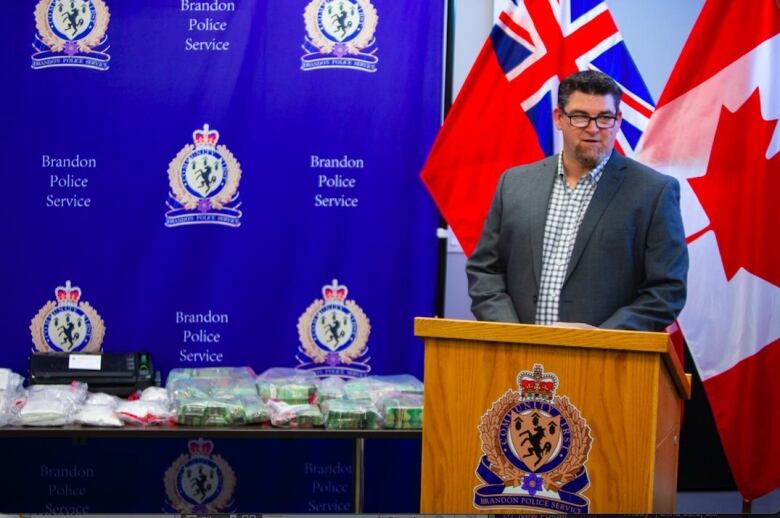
(503, 114)
(716, 130)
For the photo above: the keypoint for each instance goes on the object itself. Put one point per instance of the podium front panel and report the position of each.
(616, 393)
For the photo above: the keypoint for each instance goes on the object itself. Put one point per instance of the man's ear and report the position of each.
(557, 117)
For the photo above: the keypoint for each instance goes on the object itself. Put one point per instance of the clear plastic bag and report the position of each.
(349, 414)
(285, 415)
(102, 399)
(140, 412)
(97, 415)
(292, 386)
(331, 387)
(52, 405)
(217, 402)
(156, 395)
(10, 382)
(230, 373)
(210, 412)
(257, 412)
(402, 410)
(376, 387)
(12, 396)
(10, 405)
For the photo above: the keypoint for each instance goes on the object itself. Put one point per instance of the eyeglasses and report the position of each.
(579, 120)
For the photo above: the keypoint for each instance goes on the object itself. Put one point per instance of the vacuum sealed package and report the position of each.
(292, 386)
(331, 387)
(402, 410)
(52, 405)
(295, 416)
(12, 396)
(375, 387)
(98, 410)
(349, 414)
(217, 401)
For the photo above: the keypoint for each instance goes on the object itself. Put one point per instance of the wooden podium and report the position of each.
(625, 386)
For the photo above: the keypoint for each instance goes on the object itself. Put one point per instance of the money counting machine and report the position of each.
(113, 373)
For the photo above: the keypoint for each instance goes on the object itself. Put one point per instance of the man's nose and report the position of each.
(592, 127)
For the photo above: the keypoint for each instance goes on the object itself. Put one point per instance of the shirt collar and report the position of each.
(594, 174)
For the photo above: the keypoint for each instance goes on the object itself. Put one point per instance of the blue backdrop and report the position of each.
(327, 108)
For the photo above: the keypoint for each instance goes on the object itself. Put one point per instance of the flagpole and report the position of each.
(441, 231)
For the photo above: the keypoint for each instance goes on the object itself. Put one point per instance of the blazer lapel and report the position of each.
(608, 185)
(537, 212)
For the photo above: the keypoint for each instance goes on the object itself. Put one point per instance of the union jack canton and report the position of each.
(540, 42)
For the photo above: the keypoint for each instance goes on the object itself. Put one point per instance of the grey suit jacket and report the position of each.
(629, 264)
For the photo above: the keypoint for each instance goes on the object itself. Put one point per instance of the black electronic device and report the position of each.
(113, 373)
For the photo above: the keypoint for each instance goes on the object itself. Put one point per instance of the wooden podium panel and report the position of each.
(626, 385)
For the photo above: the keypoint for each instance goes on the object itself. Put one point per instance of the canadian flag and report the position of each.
(716, 130)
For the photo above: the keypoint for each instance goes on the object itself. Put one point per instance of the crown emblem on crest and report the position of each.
(200, 447)
(205, 137)
(536, 384)
(68, 294)
(334, 293)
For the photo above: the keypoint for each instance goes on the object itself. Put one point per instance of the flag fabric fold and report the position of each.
(502, 116)
(716, 130)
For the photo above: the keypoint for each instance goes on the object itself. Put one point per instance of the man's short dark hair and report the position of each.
(588, 82)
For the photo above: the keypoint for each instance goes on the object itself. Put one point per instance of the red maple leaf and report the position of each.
(740, 192)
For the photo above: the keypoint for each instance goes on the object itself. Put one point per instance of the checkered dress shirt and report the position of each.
(564, 215)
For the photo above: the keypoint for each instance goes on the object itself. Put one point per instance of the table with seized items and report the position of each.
(223, 397)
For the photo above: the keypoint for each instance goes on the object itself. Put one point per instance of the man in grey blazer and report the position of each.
(586, 236)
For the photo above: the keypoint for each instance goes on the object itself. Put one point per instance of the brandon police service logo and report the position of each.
(535, 447)
(67, 325)
(71, 33)
(340, 34)
(200, 481)
(204, 183)
(334, 334)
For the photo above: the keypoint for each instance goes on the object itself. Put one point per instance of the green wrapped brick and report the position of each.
(404, 418)
(404, 383)
(296, 393)
(402, 411)
(289, 385)
(294, 416)
(345, 414)
(266, 389)
(210, 413)
(291, 391)
(340, 416)
(312, 419)
(188, 391)
(242, 390)
(376, 387)
(256, 411)
(219, 396)
(225, 414)
(210, 373)
(373, 421)
(331, 387)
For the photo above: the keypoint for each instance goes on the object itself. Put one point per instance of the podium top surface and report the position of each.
(559, 336)
(637, 341)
